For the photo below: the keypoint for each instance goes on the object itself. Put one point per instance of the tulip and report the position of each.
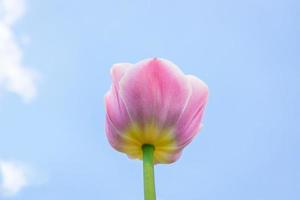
(153, 111)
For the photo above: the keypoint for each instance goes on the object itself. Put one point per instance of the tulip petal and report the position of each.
(150, 89)
(118, 71)
(112, 134)
(189, 124)
(115, 107)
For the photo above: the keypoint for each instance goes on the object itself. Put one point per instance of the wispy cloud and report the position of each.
(14, 176)
(14, 76)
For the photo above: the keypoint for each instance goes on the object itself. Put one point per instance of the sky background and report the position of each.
(55, 58)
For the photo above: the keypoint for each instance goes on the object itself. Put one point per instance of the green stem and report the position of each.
(149, 185)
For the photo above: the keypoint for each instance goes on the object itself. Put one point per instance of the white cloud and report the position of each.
(14, 76)
(14, 177)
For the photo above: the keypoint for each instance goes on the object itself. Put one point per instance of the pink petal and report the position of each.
(118, 71)
(112, 134)
(115, 107)
(155, 90)
(189, 122)
(117, 138)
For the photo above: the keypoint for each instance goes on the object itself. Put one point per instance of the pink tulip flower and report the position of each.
(153, 103)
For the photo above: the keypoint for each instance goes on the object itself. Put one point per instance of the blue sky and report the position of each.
(52, 109)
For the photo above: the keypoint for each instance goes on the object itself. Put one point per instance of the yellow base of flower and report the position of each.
(163, 141)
